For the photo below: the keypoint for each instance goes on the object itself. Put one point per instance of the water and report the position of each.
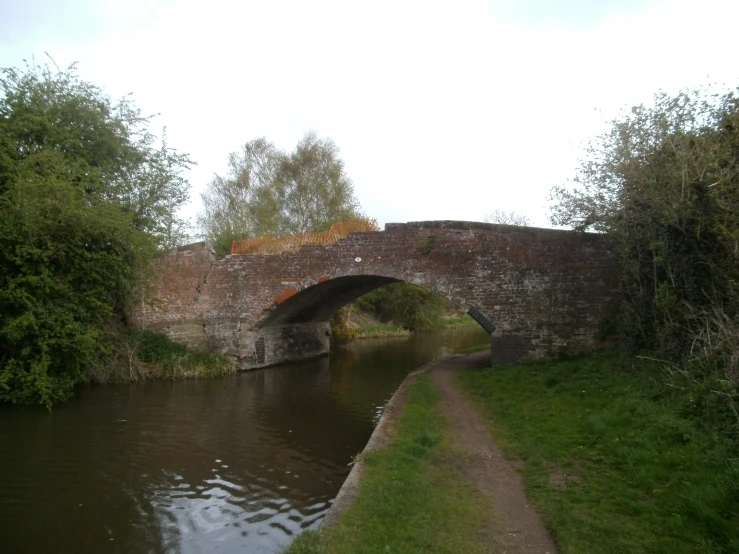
(235, 464)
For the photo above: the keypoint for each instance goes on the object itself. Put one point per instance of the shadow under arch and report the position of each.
(316, 300)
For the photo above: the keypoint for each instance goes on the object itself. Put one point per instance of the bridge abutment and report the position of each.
(280, 343)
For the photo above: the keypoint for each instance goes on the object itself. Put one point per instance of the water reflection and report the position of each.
(235, 464)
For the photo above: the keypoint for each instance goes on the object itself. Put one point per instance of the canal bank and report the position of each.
(430, 479)
(240, 463)
(381, 436)
(613, 458)
(365, 326)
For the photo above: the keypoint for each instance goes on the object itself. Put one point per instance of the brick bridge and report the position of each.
(538, 292)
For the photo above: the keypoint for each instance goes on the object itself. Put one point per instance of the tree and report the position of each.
(117, 160)
(311, 189)
(86, 198)
(230, 207)
(508, 218)
(267, 191)
(663, 183)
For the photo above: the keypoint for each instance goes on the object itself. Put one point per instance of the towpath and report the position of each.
(514, 527)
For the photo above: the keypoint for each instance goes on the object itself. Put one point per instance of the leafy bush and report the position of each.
(663, 183)
(85, 199)
(341, 332)
(407, 305)
(65, 270)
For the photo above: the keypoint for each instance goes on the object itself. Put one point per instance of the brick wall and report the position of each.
(543, 292)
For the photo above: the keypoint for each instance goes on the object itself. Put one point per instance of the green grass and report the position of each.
(380, 330)
(411, 498)
(369, 329)
(615, 460)
(140, 355)
(464, 320)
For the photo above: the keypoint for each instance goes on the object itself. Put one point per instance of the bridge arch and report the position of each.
(297, 326)
(316, 299)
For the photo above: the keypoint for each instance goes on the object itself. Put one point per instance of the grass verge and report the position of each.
(615, 460)
(380, 330)
(464, 320)
(140, 355)
(371, 329)
(411, 498)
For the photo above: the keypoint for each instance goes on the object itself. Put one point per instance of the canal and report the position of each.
(235, 464)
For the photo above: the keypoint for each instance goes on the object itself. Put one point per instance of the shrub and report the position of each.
(407, 305)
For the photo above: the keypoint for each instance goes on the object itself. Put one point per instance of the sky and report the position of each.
(441, 110)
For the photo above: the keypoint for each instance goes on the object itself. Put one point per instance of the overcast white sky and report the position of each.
(442, 110)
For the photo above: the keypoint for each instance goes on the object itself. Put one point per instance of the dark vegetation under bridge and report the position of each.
(538, 292)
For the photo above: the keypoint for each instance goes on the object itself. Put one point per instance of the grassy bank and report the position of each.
(378, 329)
(412, 498)
(463, 320)
(366, 326)
(615, 460)
(138, 355)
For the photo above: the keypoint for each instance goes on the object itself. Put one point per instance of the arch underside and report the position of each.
(318, 302)
(298, 328)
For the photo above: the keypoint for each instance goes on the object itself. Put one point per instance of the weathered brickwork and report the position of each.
(541, 292)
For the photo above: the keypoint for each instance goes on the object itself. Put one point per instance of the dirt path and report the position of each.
(518, 528)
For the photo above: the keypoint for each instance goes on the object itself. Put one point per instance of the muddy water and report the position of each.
(236, 464)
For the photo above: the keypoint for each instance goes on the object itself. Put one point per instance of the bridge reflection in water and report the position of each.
(236, 464)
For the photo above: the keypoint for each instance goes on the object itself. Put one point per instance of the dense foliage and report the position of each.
(268, 191)
(87, 195)
(663, 183)
(407, 305)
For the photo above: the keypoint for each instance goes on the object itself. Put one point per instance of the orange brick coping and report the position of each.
(276, 244)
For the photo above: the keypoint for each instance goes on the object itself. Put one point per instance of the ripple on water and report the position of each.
(238, 464)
